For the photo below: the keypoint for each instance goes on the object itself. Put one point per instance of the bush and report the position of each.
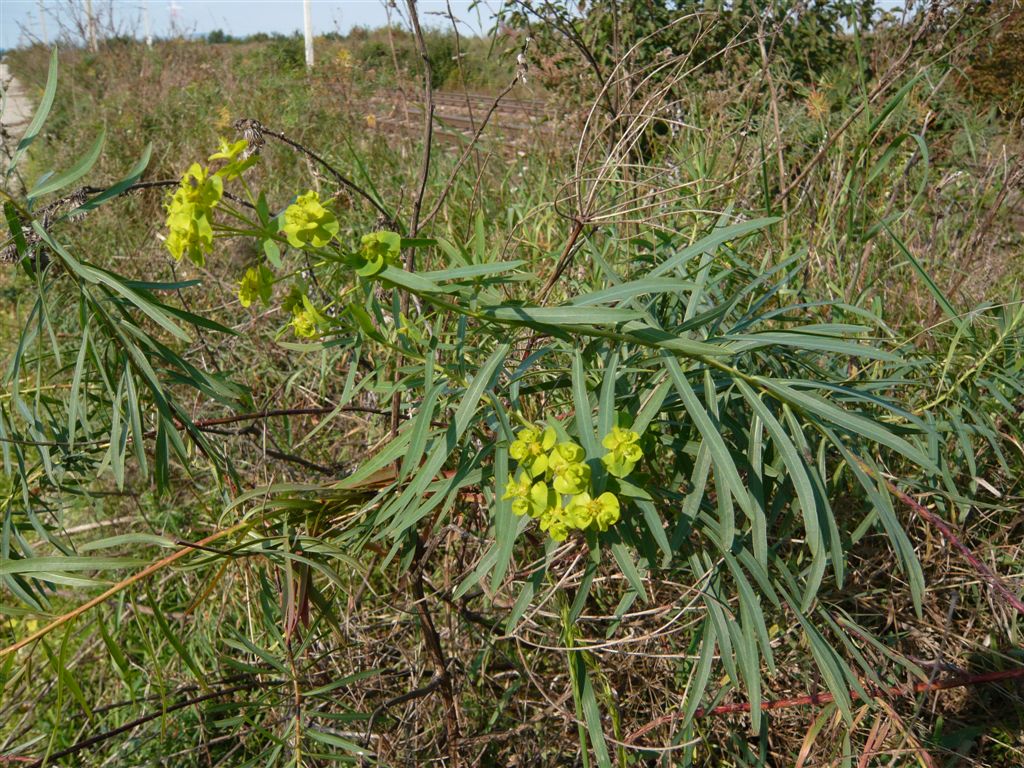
(597, 445)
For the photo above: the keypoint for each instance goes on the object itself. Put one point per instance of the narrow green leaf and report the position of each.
(710, 242)
(41, 113)
(584, 409)
(850, 422)
(698, 682)
(562, 316)
(130, 178)
(626, 291)
(35, 565)
(72, 174)
(591, 712)
(629, 569)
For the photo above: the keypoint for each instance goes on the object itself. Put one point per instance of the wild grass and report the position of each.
(362, 592)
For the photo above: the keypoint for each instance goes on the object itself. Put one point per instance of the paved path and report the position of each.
(17, 108)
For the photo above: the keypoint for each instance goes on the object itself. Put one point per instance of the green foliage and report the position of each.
(704, 415)
(812, 38)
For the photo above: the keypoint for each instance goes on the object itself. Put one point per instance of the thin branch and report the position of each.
(467, 151)
(821, 699)
(149, 570)
(563, 261)
(433, 642)
(417, 205)
(986, 573)
(417, 693)
(338, 175)
(428, 128)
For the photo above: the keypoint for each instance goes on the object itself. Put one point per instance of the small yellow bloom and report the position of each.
(234, 164)
(555, 522)
(307, 320)
(563, 455)
(228, 150)
(189, 212)
(619, 438)
(377, 250)
(258, 283)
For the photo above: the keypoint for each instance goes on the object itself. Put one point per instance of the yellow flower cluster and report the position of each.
(553, 482)
(189, 214)
(623, 451)
(190, 208)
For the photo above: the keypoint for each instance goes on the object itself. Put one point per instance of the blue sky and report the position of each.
(237, 17)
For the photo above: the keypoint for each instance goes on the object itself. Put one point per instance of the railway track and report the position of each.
(458, 115)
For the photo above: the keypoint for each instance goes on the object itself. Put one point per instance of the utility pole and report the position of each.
(307, 18)
(145, 22)
(42, 23)
(91, 21)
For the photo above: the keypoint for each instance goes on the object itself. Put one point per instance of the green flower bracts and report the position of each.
(531, 447)
(258, 283)
(600, 513)
(234, 164)
(308, 223)
(189, 212)
(378, 249)
(307, 320)
(623, 451)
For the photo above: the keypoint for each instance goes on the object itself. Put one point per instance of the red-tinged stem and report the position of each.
(983, 570)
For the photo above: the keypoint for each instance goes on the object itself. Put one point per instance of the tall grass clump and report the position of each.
(681, 429)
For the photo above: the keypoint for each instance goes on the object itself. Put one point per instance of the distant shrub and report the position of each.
(219, 36)
(996, 72)
(442, 51)
(287, 53)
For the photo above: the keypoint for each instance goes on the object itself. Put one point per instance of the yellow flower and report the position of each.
(564, 455)
(530, 449)
(228, 150)
(601, 513)
(234, 165)
(307, 319)
(191, 237)
(619, 438)
(307, 222)
(377, 249)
